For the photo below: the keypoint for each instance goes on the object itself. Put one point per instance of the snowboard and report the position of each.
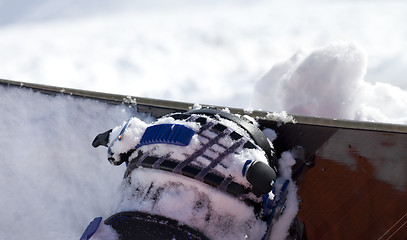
(351, 176)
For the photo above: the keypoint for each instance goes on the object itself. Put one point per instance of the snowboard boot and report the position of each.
(202, 174)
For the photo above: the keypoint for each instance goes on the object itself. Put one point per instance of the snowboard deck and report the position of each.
(351, 175)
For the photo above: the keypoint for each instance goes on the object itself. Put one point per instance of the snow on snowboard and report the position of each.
(351, 176)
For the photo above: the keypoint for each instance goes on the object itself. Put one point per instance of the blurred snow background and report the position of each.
(340, 59)
(210, 52)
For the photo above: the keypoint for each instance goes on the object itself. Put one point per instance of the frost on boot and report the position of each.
(206, 173)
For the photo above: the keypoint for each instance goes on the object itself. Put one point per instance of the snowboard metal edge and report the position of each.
(158, 108)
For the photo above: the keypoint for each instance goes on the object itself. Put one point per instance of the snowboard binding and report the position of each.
(219, 149)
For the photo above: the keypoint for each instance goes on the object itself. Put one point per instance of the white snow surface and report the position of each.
(340, 59)
(53, 182)
(214, 52)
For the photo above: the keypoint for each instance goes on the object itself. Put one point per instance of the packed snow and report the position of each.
(329, 82)
(52, 179)
(339, 59)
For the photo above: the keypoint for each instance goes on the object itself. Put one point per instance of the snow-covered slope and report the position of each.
(207, 51)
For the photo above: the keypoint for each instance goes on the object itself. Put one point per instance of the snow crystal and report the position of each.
(196, 106)
(130, 100)
(248, 110)
(251, 120)
(281, 117)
